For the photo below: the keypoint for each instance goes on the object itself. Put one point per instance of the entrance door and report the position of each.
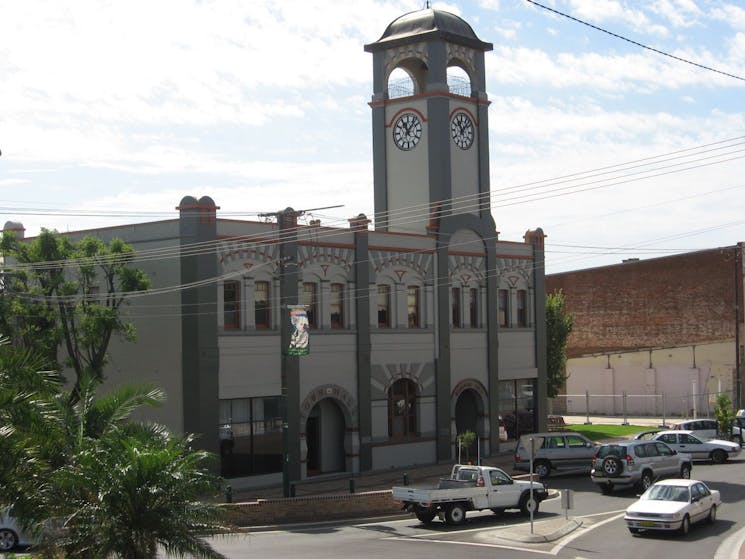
(325, 437)
(466, 419)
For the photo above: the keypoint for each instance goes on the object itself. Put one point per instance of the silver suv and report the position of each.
(559, 451)
(637, 463)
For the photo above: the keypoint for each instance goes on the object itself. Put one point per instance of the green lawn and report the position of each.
(598, 432)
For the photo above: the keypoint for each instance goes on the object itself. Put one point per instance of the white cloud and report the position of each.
(599, 11)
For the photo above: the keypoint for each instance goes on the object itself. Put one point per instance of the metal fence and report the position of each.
(688, 406)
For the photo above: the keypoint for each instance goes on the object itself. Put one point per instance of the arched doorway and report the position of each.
(468, 409)
(324, 432)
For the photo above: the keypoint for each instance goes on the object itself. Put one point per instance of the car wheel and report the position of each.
(8, 539)
(712, 514)
(718, 456)
(612, 466)
(685, 526)
(685, 471)
(606, 488)
(455, 515)
(542, 469)
(645, 481)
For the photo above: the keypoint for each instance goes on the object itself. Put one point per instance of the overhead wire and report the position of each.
(638, 44)
(463, 204)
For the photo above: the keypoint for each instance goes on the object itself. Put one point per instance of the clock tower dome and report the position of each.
(431, 140)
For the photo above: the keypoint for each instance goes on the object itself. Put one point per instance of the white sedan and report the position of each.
(673, 504)
(10, 533)
(685, 441)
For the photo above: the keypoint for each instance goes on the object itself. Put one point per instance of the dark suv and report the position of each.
(637, 463)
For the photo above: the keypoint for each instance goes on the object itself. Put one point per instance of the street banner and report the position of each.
(300, 338)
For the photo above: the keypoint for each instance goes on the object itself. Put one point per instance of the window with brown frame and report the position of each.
(384, 306)
(504, 308)
(310, 300)
(413, 305)
(337, 305)
(402, 409)
(455, 302)
(262, 305)
(522, 308)
(473, 307)
(232, 304)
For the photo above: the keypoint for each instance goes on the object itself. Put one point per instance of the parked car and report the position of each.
(673, 504)
(646, 435)
(702, 428)
(11, 534)
(738, 430)
(637, 463)
(565, 451)
(685, 441)
(519, 423)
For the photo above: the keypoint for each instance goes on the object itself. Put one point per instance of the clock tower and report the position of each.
(431, 141)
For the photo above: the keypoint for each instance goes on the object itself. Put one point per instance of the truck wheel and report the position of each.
(455, 515)
(606, 488)
(524, 507)
(542, 469)
(425, 516)
(685, 471)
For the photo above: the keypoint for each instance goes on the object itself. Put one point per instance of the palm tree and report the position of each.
(116, 487)
(134, 491)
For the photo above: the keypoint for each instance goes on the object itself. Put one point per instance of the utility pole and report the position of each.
(738, 286)
(290, 373)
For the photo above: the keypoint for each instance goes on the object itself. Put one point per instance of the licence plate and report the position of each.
(599, 474)
(647, 523)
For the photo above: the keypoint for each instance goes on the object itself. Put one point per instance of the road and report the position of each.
(602, 534)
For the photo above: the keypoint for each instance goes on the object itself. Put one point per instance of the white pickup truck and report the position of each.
(470, 488)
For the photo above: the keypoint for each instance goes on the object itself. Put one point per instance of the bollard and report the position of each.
(406, 479)
(351, 485)
(228, 494)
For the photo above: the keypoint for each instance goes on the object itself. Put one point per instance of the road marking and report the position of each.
(472, 544)
(581, 531)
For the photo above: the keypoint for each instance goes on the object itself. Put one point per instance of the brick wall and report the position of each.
(681, 299)
(319, 507)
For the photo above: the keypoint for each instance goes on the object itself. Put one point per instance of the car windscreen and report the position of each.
(667, 493)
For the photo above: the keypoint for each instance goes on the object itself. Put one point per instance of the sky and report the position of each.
(111, 112)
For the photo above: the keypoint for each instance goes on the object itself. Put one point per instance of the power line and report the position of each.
(638, 44)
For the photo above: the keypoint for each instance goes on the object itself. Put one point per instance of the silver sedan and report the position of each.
(685, 441)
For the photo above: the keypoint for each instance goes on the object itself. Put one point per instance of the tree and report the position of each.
(118, 488)
(61, 292)
(725, 414)
(559, 324)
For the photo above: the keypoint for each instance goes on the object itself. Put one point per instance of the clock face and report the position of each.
(407, 131)
(461, 129)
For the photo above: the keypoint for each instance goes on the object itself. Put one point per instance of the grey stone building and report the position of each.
(423, 324)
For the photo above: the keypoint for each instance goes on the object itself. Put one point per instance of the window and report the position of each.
(337, 305)
(473, 307)
(412, 306)
(262, 307)
(232, 304)
(504, 308)
(456, 307)
(402, 409)
(310, 300)
(522, 308)
(384, 306)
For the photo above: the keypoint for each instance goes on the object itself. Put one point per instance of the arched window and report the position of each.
(402, 409)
